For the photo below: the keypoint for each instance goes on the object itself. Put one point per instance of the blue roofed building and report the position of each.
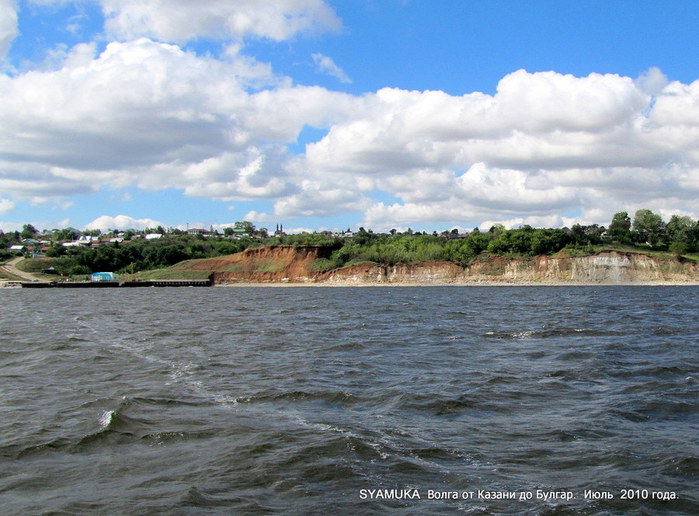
(104, 276)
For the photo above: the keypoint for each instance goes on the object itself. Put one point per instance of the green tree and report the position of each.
(649, 227)
(548, 241)
(513, 241)
(65, 235)
(79, 270)
(578, 236)
(478, 241)
(363, 237)
(682, 230)
(464, 250)
(28, 231)
(496, 229)
(678, 249)
(246, 226)
(56, 251)
(620, 228)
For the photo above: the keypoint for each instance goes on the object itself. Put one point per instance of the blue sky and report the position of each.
(345, 113)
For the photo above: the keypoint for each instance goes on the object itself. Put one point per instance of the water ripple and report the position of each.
(257, 400)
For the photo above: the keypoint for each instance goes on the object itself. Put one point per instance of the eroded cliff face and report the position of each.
(603, 268)
(608, 267)
(428, 273)
(283, 264)
(276, 264)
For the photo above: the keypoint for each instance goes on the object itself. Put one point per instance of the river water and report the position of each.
(477, 400)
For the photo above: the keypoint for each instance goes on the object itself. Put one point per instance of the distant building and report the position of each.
(104, 276)
(198, 231)
(40, 252)
(84, 240)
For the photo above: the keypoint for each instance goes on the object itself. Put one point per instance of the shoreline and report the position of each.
(8, 284)
(460, 284)
(286, 266)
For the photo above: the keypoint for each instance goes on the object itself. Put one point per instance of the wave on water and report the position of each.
(132, 420)
(549, 333)
(335, 397)
(293, 401)
(106, 419)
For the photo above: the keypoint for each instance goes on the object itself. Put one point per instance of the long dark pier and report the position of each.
(116, 284)
(168, 283)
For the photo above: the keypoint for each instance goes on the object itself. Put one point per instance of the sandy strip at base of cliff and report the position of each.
(466, 284)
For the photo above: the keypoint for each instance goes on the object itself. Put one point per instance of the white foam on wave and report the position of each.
(378, 447)
(225, 400)
(185, 373)
(106, 418)
(180, 372)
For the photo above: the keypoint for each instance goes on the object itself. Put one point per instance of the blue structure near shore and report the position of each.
(104, 276)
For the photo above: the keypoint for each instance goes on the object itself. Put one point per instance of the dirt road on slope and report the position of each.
(10, 267)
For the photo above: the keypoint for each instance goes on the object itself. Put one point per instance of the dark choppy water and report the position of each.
(306, 400)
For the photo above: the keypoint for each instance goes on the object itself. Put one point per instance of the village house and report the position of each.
(198, 231)
(84, 240)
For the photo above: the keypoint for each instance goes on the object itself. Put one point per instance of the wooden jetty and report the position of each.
(168, 283)
(117, 284)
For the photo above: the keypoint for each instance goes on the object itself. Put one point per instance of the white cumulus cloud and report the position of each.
(652, 81)
(543, 145)
(150, 114)
(8, 25)
(6, 206)
(106, 222)
(184, 20)
(327, 66)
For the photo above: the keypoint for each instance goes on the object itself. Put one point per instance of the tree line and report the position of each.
(646, 230)
(138, 255)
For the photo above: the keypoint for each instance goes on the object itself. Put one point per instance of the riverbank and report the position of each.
(288, 266)
(285, 265)
(439, 285)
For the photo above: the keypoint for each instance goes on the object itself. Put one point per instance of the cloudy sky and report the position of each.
(328, 114)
